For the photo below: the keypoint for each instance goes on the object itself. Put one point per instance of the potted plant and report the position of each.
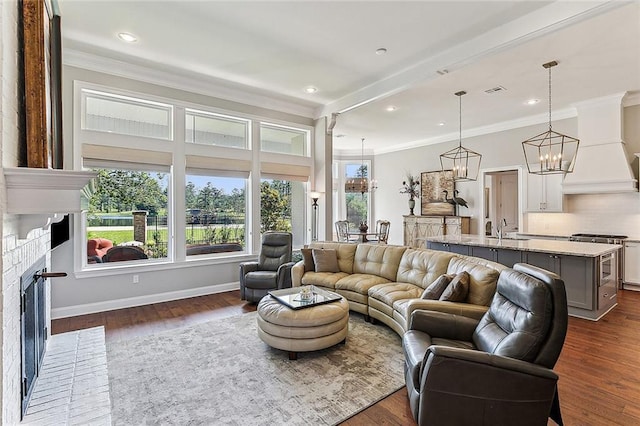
(411, 186)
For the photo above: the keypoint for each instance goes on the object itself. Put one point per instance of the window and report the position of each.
(216, 211)
(283, 140)
(135, 205)
(105, 112)
(357, 203)
(215, 129)
(127, 215)
(282, 207)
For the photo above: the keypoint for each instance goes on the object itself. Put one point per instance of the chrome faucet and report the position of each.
(499, 227)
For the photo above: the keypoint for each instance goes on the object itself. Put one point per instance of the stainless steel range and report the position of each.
(606, 239)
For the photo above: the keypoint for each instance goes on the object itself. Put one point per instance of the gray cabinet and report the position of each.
(453, 248)
(506, 257)
(577, 272)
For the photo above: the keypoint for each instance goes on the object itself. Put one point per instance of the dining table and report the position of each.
(363, 237)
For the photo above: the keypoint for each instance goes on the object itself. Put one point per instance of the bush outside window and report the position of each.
(282, 207)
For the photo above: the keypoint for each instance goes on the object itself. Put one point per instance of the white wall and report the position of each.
(497, 149)
(604, 213)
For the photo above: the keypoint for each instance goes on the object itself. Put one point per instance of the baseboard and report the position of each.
(130, 302)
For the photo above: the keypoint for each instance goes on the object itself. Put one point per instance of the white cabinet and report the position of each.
(418, 228)
(544, 193)
(631, 262)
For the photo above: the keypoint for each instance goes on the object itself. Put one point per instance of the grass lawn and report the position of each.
(118, 236)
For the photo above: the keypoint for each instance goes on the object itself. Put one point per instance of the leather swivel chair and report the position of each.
(272, 271)
(495, 371)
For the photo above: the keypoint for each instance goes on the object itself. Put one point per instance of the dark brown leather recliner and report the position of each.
(496, 371)
(272, 270)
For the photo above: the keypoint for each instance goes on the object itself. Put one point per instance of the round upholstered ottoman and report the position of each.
(302, 330)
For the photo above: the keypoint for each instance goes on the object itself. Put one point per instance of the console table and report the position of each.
(417, 228)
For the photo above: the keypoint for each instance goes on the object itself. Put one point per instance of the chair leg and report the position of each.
(555, 413)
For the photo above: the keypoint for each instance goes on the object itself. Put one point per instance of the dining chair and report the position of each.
(382, 231)
(342, 230)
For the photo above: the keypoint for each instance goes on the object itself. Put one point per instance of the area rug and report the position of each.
(221, 373)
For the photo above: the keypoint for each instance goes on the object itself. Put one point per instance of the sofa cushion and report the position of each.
(322, 279)
(436, 288)
(422, 266)
(483, 277)
(457, 289)
(378, 259)
(345, 251)
(307, 257)
(360, 283)
(325, 260)
(390, 293)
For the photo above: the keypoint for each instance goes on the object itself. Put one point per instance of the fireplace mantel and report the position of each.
(41, 197)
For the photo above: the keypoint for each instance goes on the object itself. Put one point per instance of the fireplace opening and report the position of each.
(33, 326)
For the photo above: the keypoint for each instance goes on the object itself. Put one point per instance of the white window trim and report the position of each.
(179, 149)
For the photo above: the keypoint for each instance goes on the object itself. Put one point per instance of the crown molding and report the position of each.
(188, 81)
(631, 99)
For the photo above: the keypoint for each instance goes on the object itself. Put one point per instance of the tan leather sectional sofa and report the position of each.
(386, 281)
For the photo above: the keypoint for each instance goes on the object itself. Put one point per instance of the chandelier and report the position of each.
(550, 152)
(361, 183)
(464, 162)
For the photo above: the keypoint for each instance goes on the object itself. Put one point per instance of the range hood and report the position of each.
(41, 197)
(602, 164)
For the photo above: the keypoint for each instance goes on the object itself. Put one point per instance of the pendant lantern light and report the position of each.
(361, 183)
(464, 162)
(550, 152)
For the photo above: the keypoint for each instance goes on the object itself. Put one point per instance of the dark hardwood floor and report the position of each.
(599, 367)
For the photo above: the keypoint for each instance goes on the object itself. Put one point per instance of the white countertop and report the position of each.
(572, 248)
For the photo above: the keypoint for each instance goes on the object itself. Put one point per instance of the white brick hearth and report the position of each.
(73, 385)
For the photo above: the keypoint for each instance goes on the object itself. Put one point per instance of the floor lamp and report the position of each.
(314, 215)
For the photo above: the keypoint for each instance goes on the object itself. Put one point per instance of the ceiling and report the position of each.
(267, 53)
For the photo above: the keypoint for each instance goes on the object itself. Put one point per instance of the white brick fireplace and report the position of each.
(17, 254)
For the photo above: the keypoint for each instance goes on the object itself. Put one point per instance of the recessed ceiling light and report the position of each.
(442, 123)
(311, 89)
(391, 108)
(533, 101)
(381, 51)
(128, 37)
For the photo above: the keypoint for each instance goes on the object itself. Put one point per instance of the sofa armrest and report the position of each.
(502, 389)
(442, 325)
(297, 271)
(284, 275)
(489, 361)
(246, 267)
(458, 308)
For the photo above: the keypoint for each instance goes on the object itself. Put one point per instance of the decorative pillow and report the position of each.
(436, 288)
(457, 289)
(326, 260)
(307, 256)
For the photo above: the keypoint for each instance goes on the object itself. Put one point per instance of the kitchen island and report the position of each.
(588, 270)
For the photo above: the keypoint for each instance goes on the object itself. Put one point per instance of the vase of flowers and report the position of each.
(411, 186)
